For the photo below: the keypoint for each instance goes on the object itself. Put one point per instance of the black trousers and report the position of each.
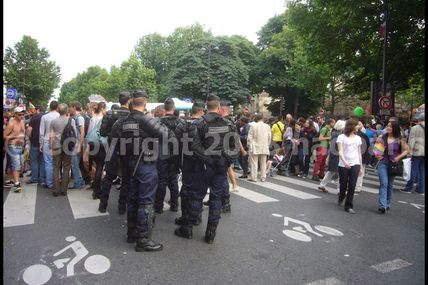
(347, 180)
(243, 161)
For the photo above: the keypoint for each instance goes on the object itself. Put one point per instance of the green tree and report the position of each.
(138, 76)
(93, 81)
(131, 75)
(213, 66)
(344, 38)
(29, 69)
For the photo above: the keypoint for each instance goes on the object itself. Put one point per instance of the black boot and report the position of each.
(226, 208)
(158, 209)
(95, 195)
(145, 242)
(210, 233)
(174, 206)
(199, 219)
(131, 235)
(185, 231)
(179, 221)
(122, 208)
(102, 208)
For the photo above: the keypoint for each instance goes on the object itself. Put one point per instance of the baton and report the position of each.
(138, 162)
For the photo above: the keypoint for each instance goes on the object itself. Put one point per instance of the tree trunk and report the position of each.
(296, 104)
(333, 98)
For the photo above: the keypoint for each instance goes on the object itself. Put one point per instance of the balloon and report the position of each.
(359, 111)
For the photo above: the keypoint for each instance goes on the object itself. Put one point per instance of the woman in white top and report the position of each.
(350, 160)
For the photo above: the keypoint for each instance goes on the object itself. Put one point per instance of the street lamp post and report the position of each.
(209, 48)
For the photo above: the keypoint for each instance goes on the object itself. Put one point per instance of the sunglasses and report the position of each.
(20, 114)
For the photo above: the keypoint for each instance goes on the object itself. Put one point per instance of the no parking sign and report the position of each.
(385, 102)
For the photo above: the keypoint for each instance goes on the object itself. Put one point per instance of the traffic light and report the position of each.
(282, 104)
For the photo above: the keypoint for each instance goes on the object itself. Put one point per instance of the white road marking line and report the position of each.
(327, 281)
(286, 190)
(391, 265)
(20, 208)
(417, 206)
(315, 186)
(82, 204)
(253, 196)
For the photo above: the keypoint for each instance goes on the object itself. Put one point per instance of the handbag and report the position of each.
(395, 168)
(407, 168)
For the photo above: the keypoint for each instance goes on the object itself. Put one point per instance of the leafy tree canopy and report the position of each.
(29, 69)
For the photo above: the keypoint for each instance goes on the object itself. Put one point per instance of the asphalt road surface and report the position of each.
(282, 231)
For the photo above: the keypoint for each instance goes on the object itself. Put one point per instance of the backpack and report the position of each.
(94, 137)
(68, 137)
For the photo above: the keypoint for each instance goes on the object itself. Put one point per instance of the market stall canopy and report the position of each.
(96, 98)
(182, 105)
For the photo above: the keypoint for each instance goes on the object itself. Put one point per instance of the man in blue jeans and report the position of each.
(38, 174)
(14, 137)
(75, 109)
(45, 126)
(417, 152)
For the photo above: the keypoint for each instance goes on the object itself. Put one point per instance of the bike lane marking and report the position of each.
(391, 265)
(82, 204)
(20, 208)
(38, 274)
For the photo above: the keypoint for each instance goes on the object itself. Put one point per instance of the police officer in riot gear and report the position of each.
(139, 138)
(215, 143)
(112, 159)
(168, 163)
(184, 132)
(225, 199)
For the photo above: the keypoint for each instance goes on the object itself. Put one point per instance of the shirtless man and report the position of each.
(14, 137)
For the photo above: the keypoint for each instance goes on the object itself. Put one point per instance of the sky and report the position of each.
(83, 33)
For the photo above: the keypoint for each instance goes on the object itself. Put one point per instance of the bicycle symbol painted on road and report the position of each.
(39, 274)
(299, 232)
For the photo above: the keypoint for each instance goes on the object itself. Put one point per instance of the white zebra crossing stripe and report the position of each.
(253, 196)
(288, 191)
(327, 281)
(301, 182)
(20, 208)
(82, 204)
(315, 186)
(391, 265)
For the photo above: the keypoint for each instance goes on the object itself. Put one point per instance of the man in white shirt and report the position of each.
(258, 140)
(45, 126)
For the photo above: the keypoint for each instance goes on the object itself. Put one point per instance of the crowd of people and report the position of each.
(76, 147)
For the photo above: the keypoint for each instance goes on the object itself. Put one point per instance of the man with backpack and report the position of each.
(278, 129)
(63, 142)
(75, 113)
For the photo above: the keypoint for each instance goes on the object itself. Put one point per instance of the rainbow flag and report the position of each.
(379, 148)
(31, 107)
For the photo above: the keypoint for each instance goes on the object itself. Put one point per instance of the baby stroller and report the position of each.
(274, 163)
(288, 158)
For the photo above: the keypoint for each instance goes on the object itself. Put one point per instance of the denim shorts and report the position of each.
(15, 154)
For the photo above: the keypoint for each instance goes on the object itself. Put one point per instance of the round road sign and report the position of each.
(385, 102)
